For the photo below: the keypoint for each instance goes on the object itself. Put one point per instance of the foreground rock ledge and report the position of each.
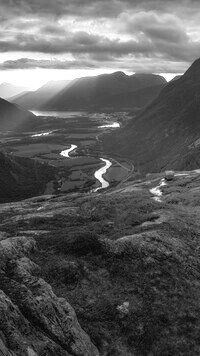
(33, 320)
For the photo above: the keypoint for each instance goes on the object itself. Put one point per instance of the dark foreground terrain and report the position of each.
(115, 273)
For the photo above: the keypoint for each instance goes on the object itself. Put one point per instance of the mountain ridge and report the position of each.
(7, 90)
(92, 92)
(38, 98)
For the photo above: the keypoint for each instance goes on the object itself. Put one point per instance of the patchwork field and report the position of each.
(58, 132)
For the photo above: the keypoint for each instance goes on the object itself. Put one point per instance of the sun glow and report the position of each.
(33, 79)
(169, 76)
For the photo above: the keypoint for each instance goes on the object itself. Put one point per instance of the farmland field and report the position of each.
(58, 132)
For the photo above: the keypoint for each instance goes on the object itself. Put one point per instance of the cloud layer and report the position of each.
(132, 35)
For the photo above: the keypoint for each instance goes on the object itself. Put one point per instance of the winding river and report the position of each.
(42, 134)
(65, 153)
(99, 175)
(112, 125)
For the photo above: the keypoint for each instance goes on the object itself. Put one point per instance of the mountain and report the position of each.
(21, 178)
(38, 99)
(14, 97)
(166, 134)
(94, 93)
(133, 99)
(8, 90)
(175, 78)
(102, 91)
(15, 118)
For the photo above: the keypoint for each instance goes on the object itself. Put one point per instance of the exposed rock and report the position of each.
(15, 247)
(4, 350)
(18, 337)
(3, 235)
(33, 320)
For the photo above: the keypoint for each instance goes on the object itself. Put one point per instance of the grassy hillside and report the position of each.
(128, 265)
(21, 178)
(15, 118)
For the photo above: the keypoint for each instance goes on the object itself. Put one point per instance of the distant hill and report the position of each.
(21, 178)
(167, 133)
(8, 90)
(15, 118)
(38, 99)
(175, 78)
(104, 91)
(14, 97)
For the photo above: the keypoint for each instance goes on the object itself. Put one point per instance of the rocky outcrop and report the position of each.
(15, 247)
(33, 320)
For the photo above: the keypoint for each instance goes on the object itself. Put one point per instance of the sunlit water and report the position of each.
(65, 153)
(71, 114)
(42, 134)
(112, 125)
(99, 174)
(58, 114)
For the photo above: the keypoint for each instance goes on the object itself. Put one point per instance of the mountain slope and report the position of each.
(21, 178)
(121, 264)
(166, 133)
(134, 99)
(99, 92)
(8, 90)
(15, 118)
(37, 99)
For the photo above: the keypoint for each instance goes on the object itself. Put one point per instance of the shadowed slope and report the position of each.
(21, 178)
(15, 118)
(102, 91)
(166, 133)
(37, 99)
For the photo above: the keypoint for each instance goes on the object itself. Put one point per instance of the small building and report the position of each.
(169, 175)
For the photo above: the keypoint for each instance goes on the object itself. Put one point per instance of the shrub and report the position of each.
(82, 243)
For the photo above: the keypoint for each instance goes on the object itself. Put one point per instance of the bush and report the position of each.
(66, 272)
(82, 243)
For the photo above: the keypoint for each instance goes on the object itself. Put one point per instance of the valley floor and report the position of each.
(128, 265)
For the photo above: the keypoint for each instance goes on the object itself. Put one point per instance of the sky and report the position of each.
(41, 40)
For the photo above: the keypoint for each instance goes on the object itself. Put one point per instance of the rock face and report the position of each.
(33, 321)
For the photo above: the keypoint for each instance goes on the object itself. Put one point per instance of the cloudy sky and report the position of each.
(63, 39)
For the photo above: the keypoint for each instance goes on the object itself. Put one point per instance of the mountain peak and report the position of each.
(119, 74)
(193, 73)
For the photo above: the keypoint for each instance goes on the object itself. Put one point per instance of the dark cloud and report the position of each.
(29, 63)
(96, 32)
(97, 8)
(63, 7)
(138, 66)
